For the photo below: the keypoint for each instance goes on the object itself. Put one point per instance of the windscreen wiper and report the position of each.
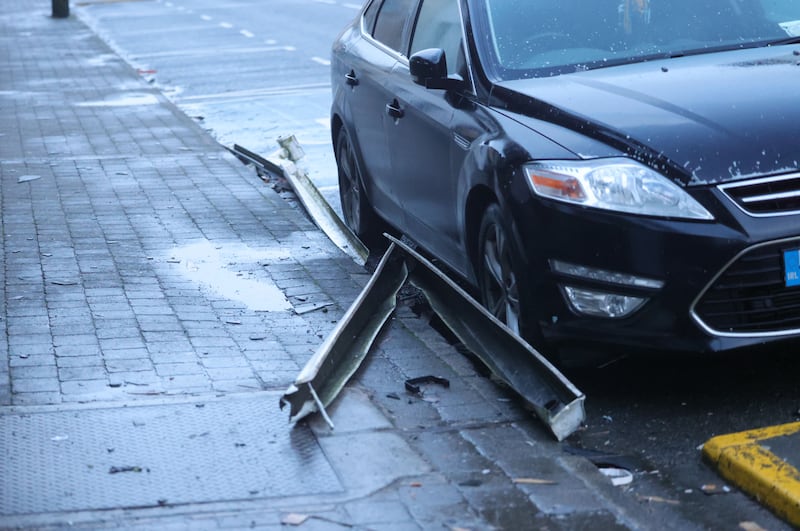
(784, 42)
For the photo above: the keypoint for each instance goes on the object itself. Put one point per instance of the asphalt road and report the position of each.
(252, 71)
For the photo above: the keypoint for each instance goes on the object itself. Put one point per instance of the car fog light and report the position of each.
(612, 277)
(601, 304)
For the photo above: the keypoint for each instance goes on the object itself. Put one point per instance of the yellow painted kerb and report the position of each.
(745, 460)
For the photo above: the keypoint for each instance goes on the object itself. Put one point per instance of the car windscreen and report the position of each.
(532, 38)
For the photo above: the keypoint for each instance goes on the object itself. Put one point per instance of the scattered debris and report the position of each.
(64, 282)
(657, 499)
(297, 519)
(471, 483)
(618, 476)
(121, 469)
(28, 178)
(533, 481)
(196, 435)
(413, 384)
(607, 460)
(393, 396)
(312, 307)
(750, 526)
(712, 488)
(233, 322)
(294, 519)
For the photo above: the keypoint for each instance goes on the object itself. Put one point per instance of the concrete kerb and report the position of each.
(763, 463)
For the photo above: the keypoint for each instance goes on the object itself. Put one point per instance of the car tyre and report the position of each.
(498, 271)
(358, 213)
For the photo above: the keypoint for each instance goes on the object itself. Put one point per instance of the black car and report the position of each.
(611, 175)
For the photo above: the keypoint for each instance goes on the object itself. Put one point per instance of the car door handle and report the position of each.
(393, 109)
(351, 79)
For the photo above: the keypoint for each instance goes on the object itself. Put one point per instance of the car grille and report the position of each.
(769, 196)
(750, 296)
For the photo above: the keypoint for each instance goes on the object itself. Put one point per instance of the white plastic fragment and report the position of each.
(618, 476)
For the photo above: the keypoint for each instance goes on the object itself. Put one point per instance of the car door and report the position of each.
(367, 63)
(426, 160)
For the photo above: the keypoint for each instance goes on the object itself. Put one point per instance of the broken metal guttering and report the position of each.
(555, 400)
(338, 358)
(315, 204)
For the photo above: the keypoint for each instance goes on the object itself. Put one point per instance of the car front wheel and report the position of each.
(498, 274)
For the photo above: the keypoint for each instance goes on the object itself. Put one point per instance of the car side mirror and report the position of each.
(429, 69)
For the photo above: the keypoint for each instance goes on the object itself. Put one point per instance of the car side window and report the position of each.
(370, 14)
(439, 26)
(391, 21)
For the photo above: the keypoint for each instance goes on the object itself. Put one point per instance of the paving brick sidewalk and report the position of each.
(132, 246)
(113, 203)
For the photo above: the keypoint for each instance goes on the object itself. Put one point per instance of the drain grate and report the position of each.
(147, 455)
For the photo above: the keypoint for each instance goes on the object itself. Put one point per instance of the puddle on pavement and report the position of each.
(235, 272)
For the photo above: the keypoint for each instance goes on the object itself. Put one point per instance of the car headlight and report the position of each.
(618, 184)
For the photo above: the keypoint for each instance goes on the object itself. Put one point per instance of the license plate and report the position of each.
(791, 267)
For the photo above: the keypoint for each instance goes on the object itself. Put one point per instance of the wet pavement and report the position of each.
(150, 293)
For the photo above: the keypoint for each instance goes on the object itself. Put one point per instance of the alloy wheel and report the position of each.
(349, 185)
(499, 282)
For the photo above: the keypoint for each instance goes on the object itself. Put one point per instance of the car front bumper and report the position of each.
(722, 283)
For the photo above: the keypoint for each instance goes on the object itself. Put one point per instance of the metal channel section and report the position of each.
(316, 205)
(556, 401)
(345, 348)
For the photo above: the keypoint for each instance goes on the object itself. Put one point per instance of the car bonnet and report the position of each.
(712, 118)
